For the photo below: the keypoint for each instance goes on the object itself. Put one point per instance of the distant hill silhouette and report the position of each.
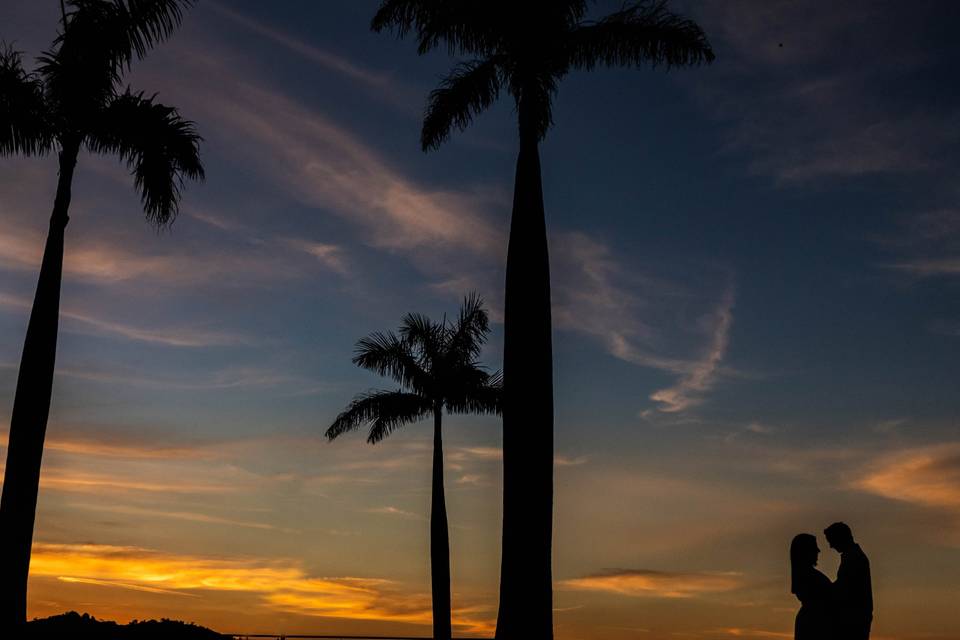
(73, 626)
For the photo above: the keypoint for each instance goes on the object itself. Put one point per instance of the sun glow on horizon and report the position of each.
(281, 585)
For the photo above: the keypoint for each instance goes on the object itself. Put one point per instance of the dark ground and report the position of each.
(73, 626)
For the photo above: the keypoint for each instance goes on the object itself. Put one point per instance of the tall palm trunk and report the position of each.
(526, 595)
(439, 539)
(31, 406)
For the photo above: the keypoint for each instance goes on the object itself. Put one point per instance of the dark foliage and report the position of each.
(76, 98)
(73, 626)
(526, 48)
(435, 364)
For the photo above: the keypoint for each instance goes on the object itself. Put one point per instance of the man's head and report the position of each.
(839, 536)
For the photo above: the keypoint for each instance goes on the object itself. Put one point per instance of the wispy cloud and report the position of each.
(382, 85)
(595, 295)
(486, 454)
(925, 244)
(228, 378)
(483, 453)
(111, 263)
(125, 585)
(928, 267)
(567, 461)
(74, 481)
(174, 337)
(658, 584)
(126, 257)
(330, 255)
(927, 476)
(112, 446)
(188, 516)
(456, 238)
(638, 317)
(473, 479)
(688, 391)
(325, 165)
(394, 511)
(282, 585)
(746, 632)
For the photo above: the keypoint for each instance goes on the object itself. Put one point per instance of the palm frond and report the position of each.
(424, 338)
(384, 411)
(84, 61)
(468, 334)
(160, 148)
(387, 355)
(472, 27)
(402, 15)
(641, 33)
(432, 374)
(571, 10)
(84, 67)
(25, 127)
(149, 22)
(482, 394)
(127, 29)
(469, 89)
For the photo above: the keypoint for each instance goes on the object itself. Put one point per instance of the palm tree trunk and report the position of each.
(31, 406)
(439, 540)
(526, 593)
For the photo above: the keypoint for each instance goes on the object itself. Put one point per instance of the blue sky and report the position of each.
(757, 325)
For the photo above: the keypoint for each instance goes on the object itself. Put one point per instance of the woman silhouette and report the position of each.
(813, 590)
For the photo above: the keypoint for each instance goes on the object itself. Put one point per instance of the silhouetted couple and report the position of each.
(841, 610)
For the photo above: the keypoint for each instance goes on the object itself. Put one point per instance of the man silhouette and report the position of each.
(852, 589)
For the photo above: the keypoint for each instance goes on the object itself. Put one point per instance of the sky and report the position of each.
(756, 269)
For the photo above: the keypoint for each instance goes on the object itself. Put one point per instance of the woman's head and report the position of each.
(803, 555)
(804, 550)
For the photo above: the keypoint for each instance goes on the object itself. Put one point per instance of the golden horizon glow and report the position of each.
(281, 584)
(740, 352)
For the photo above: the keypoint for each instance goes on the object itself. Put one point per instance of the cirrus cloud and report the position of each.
(655, 584)
(282, 585)
(928, 476)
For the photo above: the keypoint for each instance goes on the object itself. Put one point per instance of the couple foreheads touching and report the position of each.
(838, 610)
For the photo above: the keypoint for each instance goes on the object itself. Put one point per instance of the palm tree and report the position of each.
(74, 100)
(436, 365)
(526, 48)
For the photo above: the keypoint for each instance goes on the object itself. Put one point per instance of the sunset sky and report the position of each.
(756, 284)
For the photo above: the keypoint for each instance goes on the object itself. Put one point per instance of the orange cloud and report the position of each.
(657, 584)
(738, 632)
(133, 450)
(282, 585)
(122, 585)
(144, 476)
(394, 511)
(111, 262)
(120, 443)
(84, 482)
(928, 476)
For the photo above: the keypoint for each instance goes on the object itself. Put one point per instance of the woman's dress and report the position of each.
(815, 618)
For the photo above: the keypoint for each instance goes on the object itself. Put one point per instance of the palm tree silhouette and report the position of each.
(74, 100)
(436, 365)
(526, 48)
